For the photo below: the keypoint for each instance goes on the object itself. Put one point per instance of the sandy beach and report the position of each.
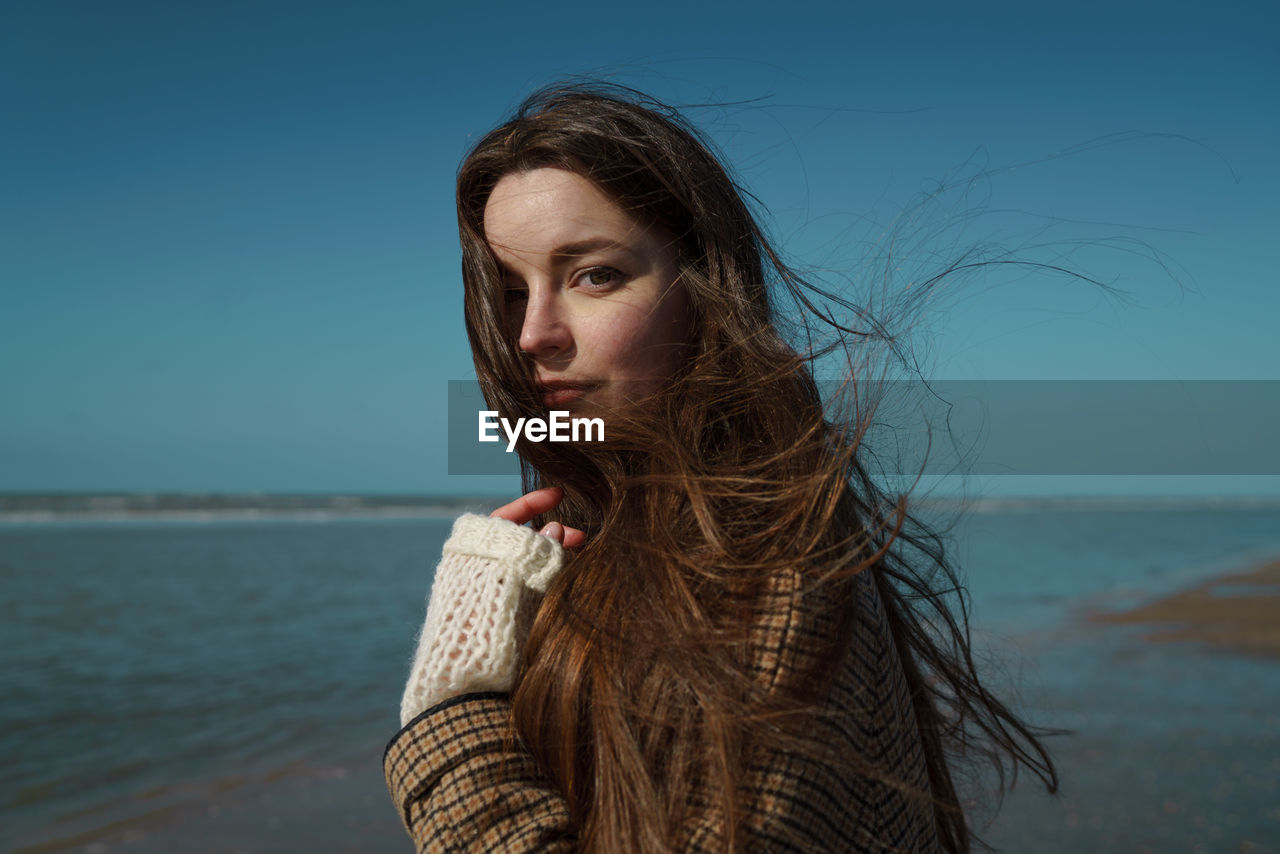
(1239, 612)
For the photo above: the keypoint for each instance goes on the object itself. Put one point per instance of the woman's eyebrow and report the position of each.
(585, 247)
(570, 251)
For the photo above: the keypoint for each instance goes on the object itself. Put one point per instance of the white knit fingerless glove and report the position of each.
(472, 636)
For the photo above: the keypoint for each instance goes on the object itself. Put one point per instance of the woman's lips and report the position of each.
(562, 394)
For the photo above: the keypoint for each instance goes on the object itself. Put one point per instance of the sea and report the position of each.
(222, 675)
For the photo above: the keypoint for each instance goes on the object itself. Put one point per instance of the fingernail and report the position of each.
(554, 530)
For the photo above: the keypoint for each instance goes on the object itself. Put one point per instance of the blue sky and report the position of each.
(228, 257)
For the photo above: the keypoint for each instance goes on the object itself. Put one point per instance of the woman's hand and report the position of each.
(531, 504)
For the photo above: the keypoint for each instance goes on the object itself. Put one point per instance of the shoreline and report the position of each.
(1237, 612)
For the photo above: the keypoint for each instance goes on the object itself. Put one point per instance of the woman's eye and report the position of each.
(602, 276)
(513, 295)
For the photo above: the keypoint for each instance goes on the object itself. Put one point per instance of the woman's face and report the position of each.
(592, 294)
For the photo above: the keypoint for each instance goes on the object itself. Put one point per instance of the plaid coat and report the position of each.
(460, 784)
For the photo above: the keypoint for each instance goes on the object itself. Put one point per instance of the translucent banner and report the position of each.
(1000, 427)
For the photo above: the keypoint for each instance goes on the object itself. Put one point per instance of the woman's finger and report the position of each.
(567, 537)
(531, 504)
(524, 508)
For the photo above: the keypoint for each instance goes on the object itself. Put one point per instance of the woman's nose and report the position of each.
(544, 331)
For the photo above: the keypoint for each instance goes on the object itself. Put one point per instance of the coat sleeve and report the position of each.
(461, 785)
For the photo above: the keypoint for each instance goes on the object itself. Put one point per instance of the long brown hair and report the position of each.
(635, 686)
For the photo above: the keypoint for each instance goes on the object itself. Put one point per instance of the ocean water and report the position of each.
(153, 667)
(228, 684)
(1173, 747)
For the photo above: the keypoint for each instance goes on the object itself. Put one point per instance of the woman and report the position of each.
(723, 636)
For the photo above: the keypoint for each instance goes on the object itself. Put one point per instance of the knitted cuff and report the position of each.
(531, 557)
(471, 638)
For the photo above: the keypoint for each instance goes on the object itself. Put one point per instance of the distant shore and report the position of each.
(1238, 612)
(36, 508)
